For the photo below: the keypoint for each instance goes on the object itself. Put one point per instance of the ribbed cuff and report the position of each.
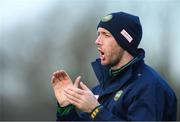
(64, 110)
(95, 111)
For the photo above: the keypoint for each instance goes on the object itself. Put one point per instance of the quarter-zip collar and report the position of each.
(113, 73)
(120, 77)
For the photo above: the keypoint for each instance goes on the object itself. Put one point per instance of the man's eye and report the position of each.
(107, 35)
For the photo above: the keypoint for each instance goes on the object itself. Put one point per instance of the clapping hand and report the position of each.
(60, 80)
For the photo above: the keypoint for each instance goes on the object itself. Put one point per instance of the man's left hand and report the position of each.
(82, 98)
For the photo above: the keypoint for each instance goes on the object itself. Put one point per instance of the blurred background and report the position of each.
(38, 37)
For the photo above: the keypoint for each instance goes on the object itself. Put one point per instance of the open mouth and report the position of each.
(101, 53)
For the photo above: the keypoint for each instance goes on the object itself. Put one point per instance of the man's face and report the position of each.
(109, 50)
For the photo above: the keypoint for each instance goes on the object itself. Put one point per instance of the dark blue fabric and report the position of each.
(146, 95)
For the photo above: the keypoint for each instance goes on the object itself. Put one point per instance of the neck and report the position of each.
(124, 60)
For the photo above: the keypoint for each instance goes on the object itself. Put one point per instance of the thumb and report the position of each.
(83, 86)
(77, 81)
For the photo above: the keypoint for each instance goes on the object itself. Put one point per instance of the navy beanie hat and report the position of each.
(125, 28)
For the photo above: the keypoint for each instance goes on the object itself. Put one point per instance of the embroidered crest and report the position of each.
(118, 95)
(107, 18)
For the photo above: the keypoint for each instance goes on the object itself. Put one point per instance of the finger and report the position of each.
(53, 79)
(77, 81)
(75, 90)
(83, 86)
(73, 93)
(71, 96)
(64, 75)
(61, 77)
(71, 100)
(57, 74)
(54, 72)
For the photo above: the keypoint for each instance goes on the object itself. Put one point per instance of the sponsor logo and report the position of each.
(126, 35)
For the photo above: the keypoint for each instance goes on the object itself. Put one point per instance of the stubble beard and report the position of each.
(116, 59)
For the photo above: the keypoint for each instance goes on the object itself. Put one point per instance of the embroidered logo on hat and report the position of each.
(107, 18)
(126, 35)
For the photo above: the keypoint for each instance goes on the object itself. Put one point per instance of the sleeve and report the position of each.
(67, 113)
(145, 103)
(148, 103)
(101, 113)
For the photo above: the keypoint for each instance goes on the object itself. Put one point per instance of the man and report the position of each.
(128, 88)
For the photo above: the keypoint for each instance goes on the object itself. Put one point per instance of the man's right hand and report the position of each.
(60, 81)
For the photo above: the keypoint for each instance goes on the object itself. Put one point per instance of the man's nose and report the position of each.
(98, 41)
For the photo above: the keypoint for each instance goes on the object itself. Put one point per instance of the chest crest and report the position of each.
(118, 95)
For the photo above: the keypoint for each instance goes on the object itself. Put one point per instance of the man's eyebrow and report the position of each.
(108, 33)
(104, 32)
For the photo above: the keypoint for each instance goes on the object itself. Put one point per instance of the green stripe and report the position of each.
(64, 110)
(115, 72)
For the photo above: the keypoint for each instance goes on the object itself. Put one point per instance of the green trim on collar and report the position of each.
(113, 73)
(64, 110)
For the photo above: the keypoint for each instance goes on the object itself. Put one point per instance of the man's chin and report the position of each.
(104, 63)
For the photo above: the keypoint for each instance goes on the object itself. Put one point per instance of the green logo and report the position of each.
(107, 18)
(118, 95)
